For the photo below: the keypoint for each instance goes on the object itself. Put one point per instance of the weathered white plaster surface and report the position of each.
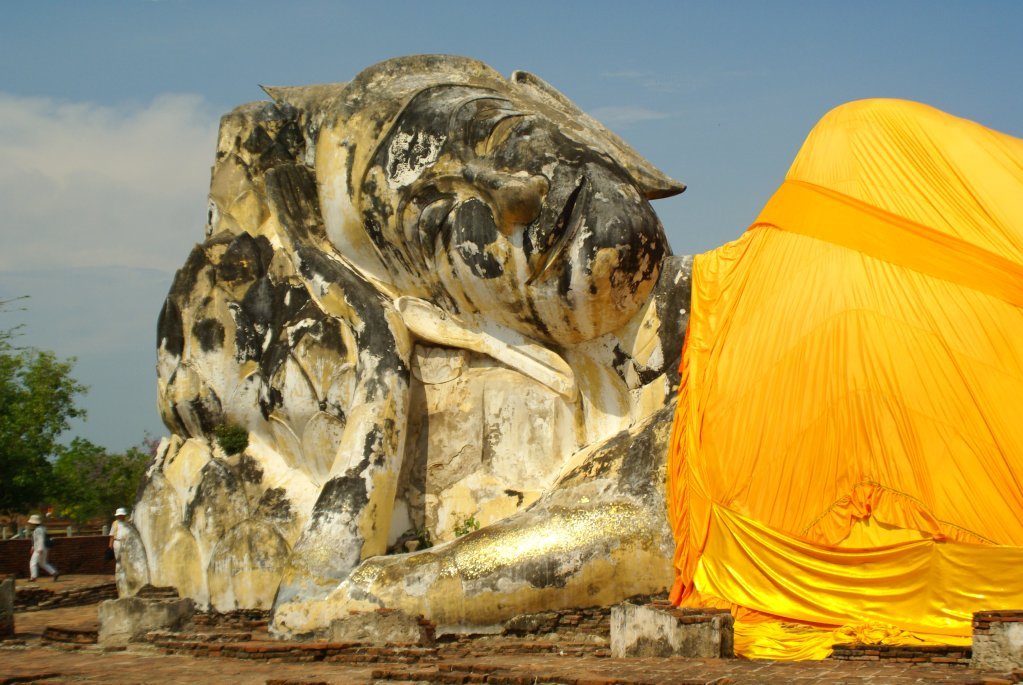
(428, 296)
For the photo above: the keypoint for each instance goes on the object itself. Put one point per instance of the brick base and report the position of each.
(40, 598)
(938, 655)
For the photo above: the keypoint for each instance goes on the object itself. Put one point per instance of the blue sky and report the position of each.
(108, 112)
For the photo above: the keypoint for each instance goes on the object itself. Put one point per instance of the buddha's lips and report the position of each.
(567, 225)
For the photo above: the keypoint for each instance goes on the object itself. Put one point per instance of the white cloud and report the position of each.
(624, 115)
(88, 185)
(646, 80)
(630, 74)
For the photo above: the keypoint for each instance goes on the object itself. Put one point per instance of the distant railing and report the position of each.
(54, 528)
(81, 554)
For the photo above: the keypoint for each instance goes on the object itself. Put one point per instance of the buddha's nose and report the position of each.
(517, 197)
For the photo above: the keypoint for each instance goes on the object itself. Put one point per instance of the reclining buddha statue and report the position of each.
(440, 308)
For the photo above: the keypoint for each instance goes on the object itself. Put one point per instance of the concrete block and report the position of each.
(668, 631)
(998, 640)
(129, 619)
(381, 627)
(7, 607)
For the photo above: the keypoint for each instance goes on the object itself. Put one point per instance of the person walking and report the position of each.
(39, 550)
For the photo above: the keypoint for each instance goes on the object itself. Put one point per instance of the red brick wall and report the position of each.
(83, 554)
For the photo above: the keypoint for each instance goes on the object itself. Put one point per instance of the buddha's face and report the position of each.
(504, 214)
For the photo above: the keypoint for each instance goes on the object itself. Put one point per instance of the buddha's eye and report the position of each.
(500, 133)
(490, 127)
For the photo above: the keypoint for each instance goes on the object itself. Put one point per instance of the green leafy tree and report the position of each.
(37, 403)
(89, 482)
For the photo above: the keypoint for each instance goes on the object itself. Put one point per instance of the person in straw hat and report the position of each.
(118, 529)
(39, 550)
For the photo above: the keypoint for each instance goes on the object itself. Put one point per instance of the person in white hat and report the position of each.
(39, 550)
(118, 529)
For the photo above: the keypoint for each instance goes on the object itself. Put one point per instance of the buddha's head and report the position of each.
(492, 197)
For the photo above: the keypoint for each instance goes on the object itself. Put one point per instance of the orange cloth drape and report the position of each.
(848, 446)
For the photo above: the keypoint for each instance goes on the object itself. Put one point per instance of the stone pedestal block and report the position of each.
(129, 619)
(998, 640)
(382, 627)
(7, 608)
(656, 630)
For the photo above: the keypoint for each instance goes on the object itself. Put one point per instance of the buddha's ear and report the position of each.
(653, 182)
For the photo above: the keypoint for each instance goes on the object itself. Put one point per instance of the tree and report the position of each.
(89, 482)
(37, 403)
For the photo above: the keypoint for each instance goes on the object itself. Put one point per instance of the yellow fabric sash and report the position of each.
(817, 212)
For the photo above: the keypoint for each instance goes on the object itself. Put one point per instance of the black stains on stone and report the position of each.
(170, 334)
(275, 135)
(648, 374)
(291, 138)
(247, 339)
(269, 399)
(633, 459)
(412, 156)
(473, 229)
(672, 296)
(187, 277)
(258, 303)
(258, 142)
(537, 321)
(545, 572)
(641, 454)
(565, 279)
(217, 482)
(329, 336)
(434, 211)
(248, 470)
(373, 447)
(344, 494)
(375, 337)
(291, 191)
(246, 259)
(544, 233)
(274, 506)
(374, 230)
(262, 317)
(515, 493)
(205, 408)
(210, 334)
(620, 362)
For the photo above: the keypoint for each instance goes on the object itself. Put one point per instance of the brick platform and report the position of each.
(240, 619)
(250, 657)
(903, 654)
(78, 636)
(42, 596)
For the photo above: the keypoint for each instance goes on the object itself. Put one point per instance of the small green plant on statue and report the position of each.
(423, 536)
(466, 526)
(231, 438)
